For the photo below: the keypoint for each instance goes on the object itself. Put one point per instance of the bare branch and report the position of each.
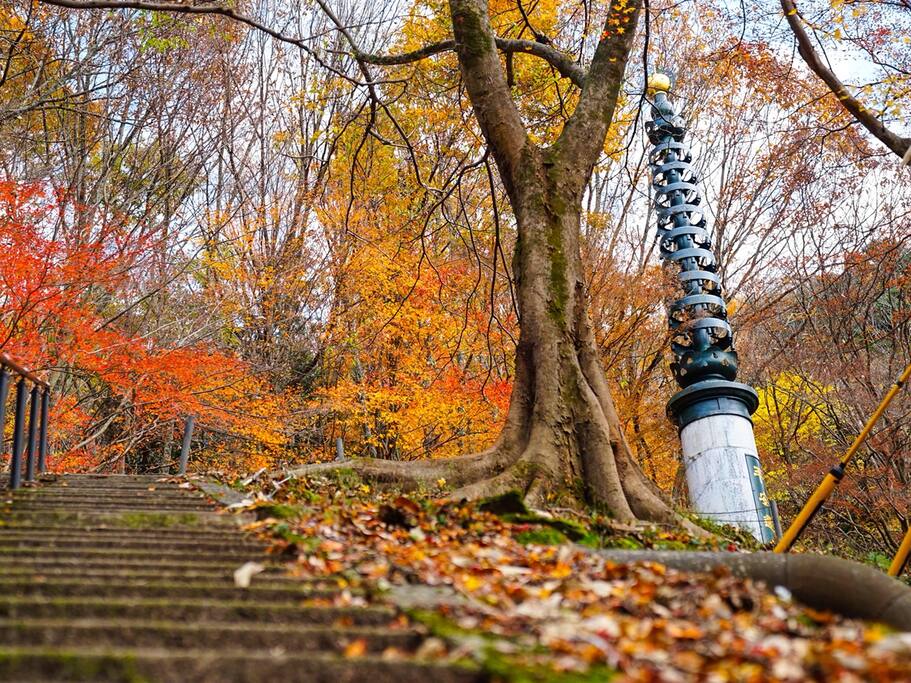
(409, 57)
(207, 9)
(898, 144)
(561, 62)
(180, 8)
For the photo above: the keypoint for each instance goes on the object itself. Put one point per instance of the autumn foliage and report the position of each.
(198, 220)
(66, 275)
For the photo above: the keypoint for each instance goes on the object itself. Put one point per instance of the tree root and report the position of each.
(485, 475)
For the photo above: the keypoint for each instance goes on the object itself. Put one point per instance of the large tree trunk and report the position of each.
(562, 434)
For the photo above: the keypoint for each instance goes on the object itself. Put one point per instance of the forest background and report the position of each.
(197, 219)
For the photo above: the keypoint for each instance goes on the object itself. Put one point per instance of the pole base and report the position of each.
(722, 466)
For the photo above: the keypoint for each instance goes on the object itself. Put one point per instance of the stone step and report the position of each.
(153, 489)
(141, 572)
(219, 666)
(190, 611)
(112, 531)
(103, 579)
(76, 563)
(97, 504)
(52, 587)
(165, 519)
(89, 479)
(130, 517)
(119, 483)
(172, 634)
(115, 555)
(136, 542)
(130, 487)
(153, 498)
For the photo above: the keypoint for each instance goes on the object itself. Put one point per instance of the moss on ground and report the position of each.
(744, 539)
(511, 508)
(276, 511)
(540, 536)
(286, 533)
(504, 667)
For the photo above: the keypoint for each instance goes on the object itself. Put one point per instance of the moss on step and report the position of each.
(137, 520)
(189, 609)
(72, 666)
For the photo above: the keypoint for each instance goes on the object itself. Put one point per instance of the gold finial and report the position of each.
(659, 82)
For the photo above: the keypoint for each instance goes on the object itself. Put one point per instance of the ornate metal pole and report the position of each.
(711, 410)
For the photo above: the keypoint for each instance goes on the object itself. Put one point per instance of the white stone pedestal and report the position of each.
(723, 474)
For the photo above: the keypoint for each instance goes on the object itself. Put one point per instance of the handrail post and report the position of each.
(901, 557)
(4, 395)
(42, 436)
(32, 447)
(776, 519)
(185, 447)
(15, 476)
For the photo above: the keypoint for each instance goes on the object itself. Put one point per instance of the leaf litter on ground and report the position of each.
(527, 605)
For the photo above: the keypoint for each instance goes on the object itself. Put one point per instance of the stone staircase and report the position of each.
(131, 578)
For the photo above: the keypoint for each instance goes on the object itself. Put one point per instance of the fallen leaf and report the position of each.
(404, 503)
(356, 648)
(244, 573)
(431, 648)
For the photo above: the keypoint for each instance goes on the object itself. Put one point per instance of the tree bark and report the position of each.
(562, 433)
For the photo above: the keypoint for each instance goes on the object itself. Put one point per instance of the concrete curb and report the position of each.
(824, 583)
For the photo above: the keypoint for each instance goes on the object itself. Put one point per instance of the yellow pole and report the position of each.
(901, 557)
(836, 474)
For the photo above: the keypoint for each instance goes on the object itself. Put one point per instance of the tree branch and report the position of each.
(898, 144)
(540, 37)
(583, 135)
(561, 62)
(217, 10)
(179, 8)
(485, 81)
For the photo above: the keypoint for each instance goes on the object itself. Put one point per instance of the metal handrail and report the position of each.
(9, 362)
(33, 442)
